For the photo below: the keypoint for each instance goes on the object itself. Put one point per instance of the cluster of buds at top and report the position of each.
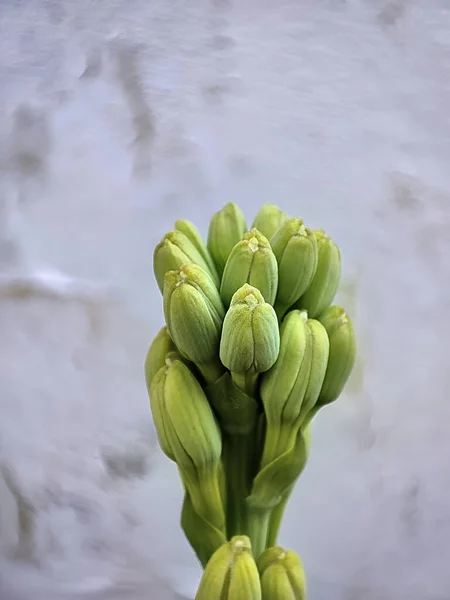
(251, 350)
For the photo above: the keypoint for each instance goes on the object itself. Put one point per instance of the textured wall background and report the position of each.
(116, 118)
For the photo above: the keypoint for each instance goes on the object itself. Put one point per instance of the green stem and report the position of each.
(207, 499)
(238, 460)
(211, 371)
(258, 528)
(247, 382)
(276, 518)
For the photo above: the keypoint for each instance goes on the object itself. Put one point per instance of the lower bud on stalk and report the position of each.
(295, 248)
(342, 354)
(194, 313)
(282, 575)
(324, 285)
(251, 261)
(174, 251)
(189, 435)
(269, 219)
(250, 338)
(161, 345)
(231, 573)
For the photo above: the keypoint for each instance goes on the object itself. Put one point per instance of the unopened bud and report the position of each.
(226, 228)
(251, 261)
(194, 235)
(231, 573)
(282, 575)
(269, 219)
(323, 288)
(342, 354)
(295, 248)
(161, 345)
(174, 251)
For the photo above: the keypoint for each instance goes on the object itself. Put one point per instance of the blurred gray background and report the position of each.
(118, 117)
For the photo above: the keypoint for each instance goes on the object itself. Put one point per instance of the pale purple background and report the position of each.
(118, 117)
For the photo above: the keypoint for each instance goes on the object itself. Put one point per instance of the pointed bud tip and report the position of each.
(247, 294)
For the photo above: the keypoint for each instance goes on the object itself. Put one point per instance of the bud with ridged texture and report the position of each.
(295, 248)
(250, 339)
(226, 228)
(342, 354)
(161, 345)
(282, 575)
(324, 285)
(194, 235)
(251, 261)
(269, 219)
(194, 313)
(231, 573)
(189, 435)
(293, 384)
(174, 251)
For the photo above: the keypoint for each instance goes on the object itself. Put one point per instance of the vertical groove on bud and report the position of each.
(325, 283)
(226, 228)
(251, 261)
(250, 338)
(295, 248)
(282, 575)
(269, 219)
(231, 573)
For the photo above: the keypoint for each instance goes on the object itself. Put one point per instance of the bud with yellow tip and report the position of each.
(282, 575)
(174, 251)
(250, 338)
(231, 573)
(295, 248)
(251, 261)
(194, 313)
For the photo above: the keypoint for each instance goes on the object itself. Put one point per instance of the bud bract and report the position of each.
(174, 251)
(194, 235)
(269, 219)
(250, 337)
(194, 313)
(251, 261)
(295, 248)
(161, 345)
(323, 288)
(231, 573)
(226, 228)
(282, 575)
(342, 355)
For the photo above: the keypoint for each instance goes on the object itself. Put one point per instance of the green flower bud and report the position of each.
(324, 285)
(174, 251)
(295, 248)
(251, 261)
(194, 235)
(282, 575)
(189, 435)
(269, 219)
(194, 313)
(226, 228)
(231, 573)
(250, 339)
(291, 388)
(342, 354)
(156, 355)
